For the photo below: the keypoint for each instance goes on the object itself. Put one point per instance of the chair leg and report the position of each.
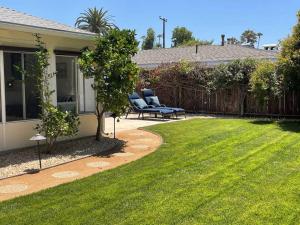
(139, 115)
(129, 110)
(142, 115)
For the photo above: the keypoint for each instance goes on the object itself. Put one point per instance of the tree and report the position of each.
(289, 59)
(54, 123)
(158, 45)
(259, 35)
(264, 81)
(234, 74)
(181, 35)
(233, 41)
(195, 42)
(95, 20)
(159, 38)
(114, 72)
(148, 41)
(249, 37)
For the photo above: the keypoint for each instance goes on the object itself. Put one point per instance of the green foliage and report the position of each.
(54, 123)
(114, 72)
(95, 20)
(289, 59)
(233, 41)
(249, 37)
(234, 74)
(185, 67)
(264, 81)
(181, 35)
(194, 42)
(148, 42)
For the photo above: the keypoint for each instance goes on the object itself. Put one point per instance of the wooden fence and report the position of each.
(196, 100)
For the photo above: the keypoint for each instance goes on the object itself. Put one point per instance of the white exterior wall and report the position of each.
(14, 135)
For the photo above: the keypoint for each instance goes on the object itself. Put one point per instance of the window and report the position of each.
(20, 91)
(87, 94)
(66, 83)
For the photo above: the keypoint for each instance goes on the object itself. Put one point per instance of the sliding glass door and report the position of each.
(20, 90)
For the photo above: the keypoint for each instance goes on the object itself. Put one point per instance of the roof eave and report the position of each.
(46, 31)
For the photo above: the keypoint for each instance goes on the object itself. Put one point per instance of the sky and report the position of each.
(207, 19)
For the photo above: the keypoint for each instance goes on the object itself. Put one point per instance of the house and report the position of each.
(18, 104)
(271, 47)
(205, 54)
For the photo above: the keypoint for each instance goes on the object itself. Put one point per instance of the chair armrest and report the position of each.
(151, 106)
(163, 105)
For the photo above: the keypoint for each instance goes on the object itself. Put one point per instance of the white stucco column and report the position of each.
(2, 106)
(52, 69)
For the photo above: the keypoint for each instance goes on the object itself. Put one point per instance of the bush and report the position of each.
(265, 82)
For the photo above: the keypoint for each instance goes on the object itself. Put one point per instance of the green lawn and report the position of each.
(211, 171)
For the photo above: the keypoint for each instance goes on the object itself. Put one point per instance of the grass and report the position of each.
(213, 171)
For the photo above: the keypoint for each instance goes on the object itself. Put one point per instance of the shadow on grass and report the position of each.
(262, 122)
(291, 126)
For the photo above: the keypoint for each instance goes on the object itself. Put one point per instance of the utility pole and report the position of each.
(164, 30)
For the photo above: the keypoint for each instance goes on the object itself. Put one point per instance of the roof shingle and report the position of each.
(207, 54)
(14, 17)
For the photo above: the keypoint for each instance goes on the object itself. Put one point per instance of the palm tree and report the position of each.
(95, 20)
(259, 34)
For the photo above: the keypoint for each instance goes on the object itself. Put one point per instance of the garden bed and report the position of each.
(25, 160)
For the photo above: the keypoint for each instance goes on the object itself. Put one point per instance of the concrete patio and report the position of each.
(132, 122)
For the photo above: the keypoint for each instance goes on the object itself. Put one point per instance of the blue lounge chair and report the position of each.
(138, 105)
(153, 100)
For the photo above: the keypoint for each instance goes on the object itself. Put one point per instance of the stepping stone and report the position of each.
(98, 164)
(13, 188)
(65, 174)
(140, 147)
(123, 154)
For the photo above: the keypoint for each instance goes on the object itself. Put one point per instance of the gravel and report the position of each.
(26, 160)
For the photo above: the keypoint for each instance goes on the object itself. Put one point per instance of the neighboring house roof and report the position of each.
(10, 18)
(207, 54)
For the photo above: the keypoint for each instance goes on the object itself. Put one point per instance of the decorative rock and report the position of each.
(98, 164)
(140, 147)
(65, 174)
(13, 188)
(20, 162)
(123, 154)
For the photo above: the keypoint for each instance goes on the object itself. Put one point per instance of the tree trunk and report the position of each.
(99, 114)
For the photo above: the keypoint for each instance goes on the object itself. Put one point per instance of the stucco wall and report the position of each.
(17, 134)
(14, 135)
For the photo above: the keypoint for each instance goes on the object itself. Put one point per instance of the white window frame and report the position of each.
(76, 74)
(22, 53)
